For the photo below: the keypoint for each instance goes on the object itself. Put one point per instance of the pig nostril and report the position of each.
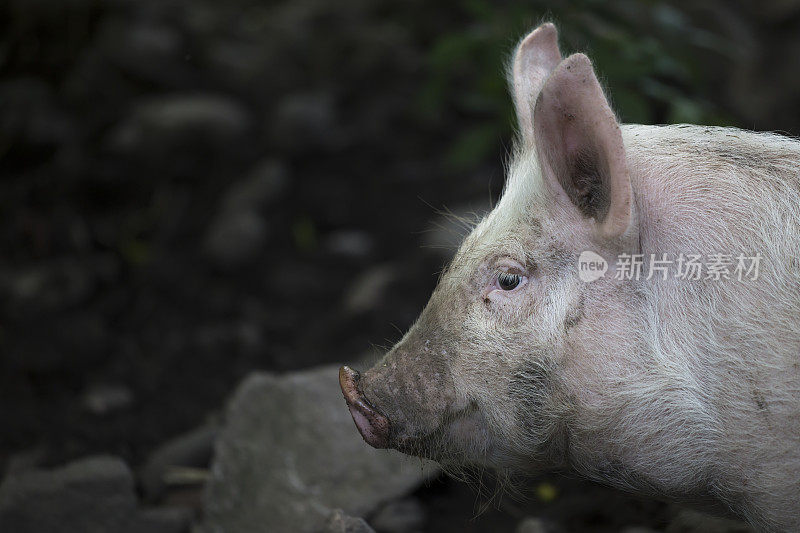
(348, 381)
(371, 423)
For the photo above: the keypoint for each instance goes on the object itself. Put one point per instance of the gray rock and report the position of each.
(56, 284)
(235, 237)
(532, 525)
(401, 516)
(193, 449)
(102, 399)
(152, 51)
(261, 186)
(239, 63)
(306, 120)
(164, 520)
(90, 495)
(691, 521)
(537, 525)
(338, 522)
(368, 289)
(95, 494)
(238, 231)
(349, 243)
(289, 454)
(179, 119)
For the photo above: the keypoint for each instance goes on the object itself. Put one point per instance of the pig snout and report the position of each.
(371, 423)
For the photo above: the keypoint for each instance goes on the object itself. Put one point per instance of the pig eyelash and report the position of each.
(503, 280)
(508, 281)
(506, 278)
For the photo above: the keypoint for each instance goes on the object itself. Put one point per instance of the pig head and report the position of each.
(477, 378)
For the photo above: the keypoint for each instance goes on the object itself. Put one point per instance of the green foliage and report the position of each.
(304, 234)
(647, 53)
(137, 252)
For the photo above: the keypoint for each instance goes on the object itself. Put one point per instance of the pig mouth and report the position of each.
(376, 429)
(371, 423)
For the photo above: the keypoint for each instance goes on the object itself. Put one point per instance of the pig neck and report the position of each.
(703, 409)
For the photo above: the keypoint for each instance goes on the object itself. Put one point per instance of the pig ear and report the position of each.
(534, 59)
(580, 148)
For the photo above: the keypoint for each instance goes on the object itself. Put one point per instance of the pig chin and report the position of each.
(462, 441)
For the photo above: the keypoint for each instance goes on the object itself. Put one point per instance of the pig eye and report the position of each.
(508, 281)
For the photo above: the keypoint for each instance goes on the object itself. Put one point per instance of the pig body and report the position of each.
(686, 389)
(706, 401)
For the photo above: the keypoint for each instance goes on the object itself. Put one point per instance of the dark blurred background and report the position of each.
(195, 189)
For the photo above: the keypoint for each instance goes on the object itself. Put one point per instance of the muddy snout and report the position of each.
(372, 425)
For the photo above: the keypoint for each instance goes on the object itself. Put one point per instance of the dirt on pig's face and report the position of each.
(475, 380)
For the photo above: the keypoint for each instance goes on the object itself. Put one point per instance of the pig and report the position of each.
(680, 388)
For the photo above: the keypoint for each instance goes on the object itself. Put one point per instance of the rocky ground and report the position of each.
(303, 468)
(200, 198)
